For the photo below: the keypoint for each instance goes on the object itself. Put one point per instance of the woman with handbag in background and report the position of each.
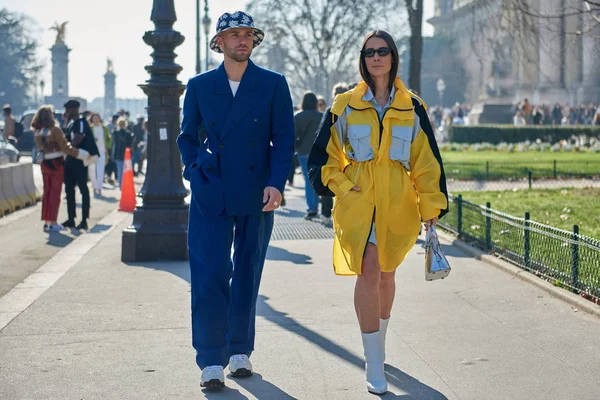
(377, 154)
(53, 145)
(101, 135)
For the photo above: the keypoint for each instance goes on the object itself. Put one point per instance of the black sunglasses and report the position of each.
(382, 51)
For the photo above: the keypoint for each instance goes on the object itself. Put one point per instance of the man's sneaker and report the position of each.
(83, 225)
(213, 377)
(240, 366)
(56, 228)
(69, 223)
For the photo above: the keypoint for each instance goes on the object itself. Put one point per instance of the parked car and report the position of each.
(26, 142)
(8, 152)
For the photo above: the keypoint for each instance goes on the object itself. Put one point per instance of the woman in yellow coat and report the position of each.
(377, 154)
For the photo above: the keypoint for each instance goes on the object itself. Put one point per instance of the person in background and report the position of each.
(321, 104)
(327, 201)
(80, 135)
(306, 123)
(102, 138)
(51, 141)
(138, 134)
(111, 165)
(537, 117)
(519, 119)
(9, 123)
(123, 139)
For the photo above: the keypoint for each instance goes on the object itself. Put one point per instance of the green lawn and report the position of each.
(561, 208)
(484, 165)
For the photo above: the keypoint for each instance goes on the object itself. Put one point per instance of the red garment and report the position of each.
(53, 172)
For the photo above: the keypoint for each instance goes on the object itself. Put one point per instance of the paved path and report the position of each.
(109, 330)
(25, 246)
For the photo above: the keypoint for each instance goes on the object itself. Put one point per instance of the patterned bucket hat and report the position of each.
(238, 19)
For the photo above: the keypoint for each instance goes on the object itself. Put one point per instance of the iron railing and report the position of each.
(567, 259)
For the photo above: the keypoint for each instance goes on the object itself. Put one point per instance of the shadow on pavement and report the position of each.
(448, 249)
(262, 389)
(413, 387)
(59, 239)
(278, 254)
(99, 228)
(289, 212)
(226, 393)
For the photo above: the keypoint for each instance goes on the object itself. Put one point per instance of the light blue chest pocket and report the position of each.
(401, 140)
(359, 137)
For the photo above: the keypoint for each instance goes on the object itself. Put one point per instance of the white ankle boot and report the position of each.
(374, 362)
(383, 325)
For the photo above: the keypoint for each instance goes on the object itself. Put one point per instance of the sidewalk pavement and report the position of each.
(25, 246)
(110, 330)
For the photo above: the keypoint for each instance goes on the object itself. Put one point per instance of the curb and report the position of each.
(572, 299)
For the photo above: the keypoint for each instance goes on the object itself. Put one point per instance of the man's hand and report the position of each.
(432, 221)
(273, 197)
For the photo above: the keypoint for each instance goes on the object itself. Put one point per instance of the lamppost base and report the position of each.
(162, 236)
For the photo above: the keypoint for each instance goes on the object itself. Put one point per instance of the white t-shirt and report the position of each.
(99, 136)
(234, 86)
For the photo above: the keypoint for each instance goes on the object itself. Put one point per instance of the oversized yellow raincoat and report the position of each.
(397, 166)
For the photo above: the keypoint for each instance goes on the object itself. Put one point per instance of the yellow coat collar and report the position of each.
(402, 98)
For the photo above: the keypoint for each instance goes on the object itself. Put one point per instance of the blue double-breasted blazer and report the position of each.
(247, 141)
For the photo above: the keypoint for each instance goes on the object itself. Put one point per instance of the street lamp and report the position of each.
(42, 84)
(206, 24)
(441, 86)
(159, 229)
(197, 37)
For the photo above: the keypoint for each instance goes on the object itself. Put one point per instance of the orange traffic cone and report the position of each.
(127, 189)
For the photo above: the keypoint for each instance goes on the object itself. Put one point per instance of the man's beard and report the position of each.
(231, 53)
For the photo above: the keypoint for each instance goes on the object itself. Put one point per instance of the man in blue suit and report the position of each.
(237, 144)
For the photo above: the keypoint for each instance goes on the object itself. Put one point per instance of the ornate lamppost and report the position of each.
(206, 25)
(159, 229)
(441, 87)
(197, 37)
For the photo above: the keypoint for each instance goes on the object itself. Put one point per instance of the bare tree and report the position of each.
(526, 40)
(415, 20)
(316, 43)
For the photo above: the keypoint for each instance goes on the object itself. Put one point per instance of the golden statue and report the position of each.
(60, 32)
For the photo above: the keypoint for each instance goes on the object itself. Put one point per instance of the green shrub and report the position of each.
(515, 134)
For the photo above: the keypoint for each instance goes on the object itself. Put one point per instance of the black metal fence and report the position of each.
(488, 176)
(567, 259)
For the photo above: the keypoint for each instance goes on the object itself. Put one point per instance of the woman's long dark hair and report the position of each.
(364, 72)
(309, 101)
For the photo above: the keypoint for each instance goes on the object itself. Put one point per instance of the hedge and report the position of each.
(515, 134)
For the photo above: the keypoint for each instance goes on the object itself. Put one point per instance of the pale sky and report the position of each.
(98, 29)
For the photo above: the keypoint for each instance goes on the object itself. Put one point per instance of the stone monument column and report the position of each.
(590, 90)
(550, 50)
(60, 66)
(110, 97)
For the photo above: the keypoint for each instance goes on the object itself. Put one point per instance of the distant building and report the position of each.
(136, 107)
(507, 63)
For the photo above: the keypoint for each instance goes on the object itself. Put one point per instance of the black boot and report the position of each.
(70, 223)
(82, 226)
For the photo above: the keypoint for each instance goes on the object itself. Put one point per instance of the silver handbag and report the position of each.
(436, 264)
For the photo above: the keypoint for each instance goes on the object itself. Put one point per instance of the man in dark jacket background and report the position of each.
(80, 135)
(306, 123)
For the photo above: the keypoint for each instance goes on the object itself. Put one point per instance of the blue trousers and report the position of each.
(224, 290)
(312, 200)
